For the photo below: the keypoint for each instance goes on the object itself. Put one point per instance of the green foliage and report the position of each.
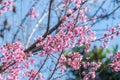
(115, 48)
(65, 53)
(108, 50)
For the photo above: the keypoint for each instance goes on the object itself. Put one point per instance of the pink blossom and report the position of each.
(5, 3)
(33, 13)
(115, 63)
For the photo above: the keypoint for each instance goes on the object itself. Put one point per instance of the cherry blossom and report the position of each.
(7, 6)
(33, 13)
(115, 62)
(73, 31)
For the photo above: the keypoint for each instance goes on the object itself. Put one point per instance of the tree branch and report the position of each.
(55, 67)
(48, 25)
(32, 47)
(40, 68)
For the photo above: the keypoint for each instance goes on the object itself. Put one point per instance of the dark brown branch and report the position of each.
(31, 48)
(9, 65)
(48, 25)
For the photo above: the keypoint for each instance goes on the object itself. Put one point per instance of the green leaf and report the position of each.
(76, 49)
(65, 53)
(108, 50)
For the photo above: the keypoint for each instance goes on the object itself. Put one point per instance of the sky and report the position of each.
(23, 7)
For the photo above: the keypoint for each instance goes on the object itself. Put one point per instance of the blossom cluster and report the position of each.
(90, 69)
(110, 35)
(73, 60)
(69, 34)
(7, 6)
(115, 65)
(12, 52)
(76, 62)
(67, 37)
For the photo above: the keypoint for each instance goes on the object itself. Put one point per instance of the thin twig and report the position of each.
(55, 67)
(22, 22)
(48, 25)
(99, 8)
(40, 68)
(105, 16)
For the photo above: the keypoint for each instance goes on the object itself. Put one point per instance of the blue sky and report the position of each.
(23, 8)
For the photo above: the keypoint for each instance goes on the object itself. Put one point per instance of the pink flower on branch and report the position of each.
(34, 13)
